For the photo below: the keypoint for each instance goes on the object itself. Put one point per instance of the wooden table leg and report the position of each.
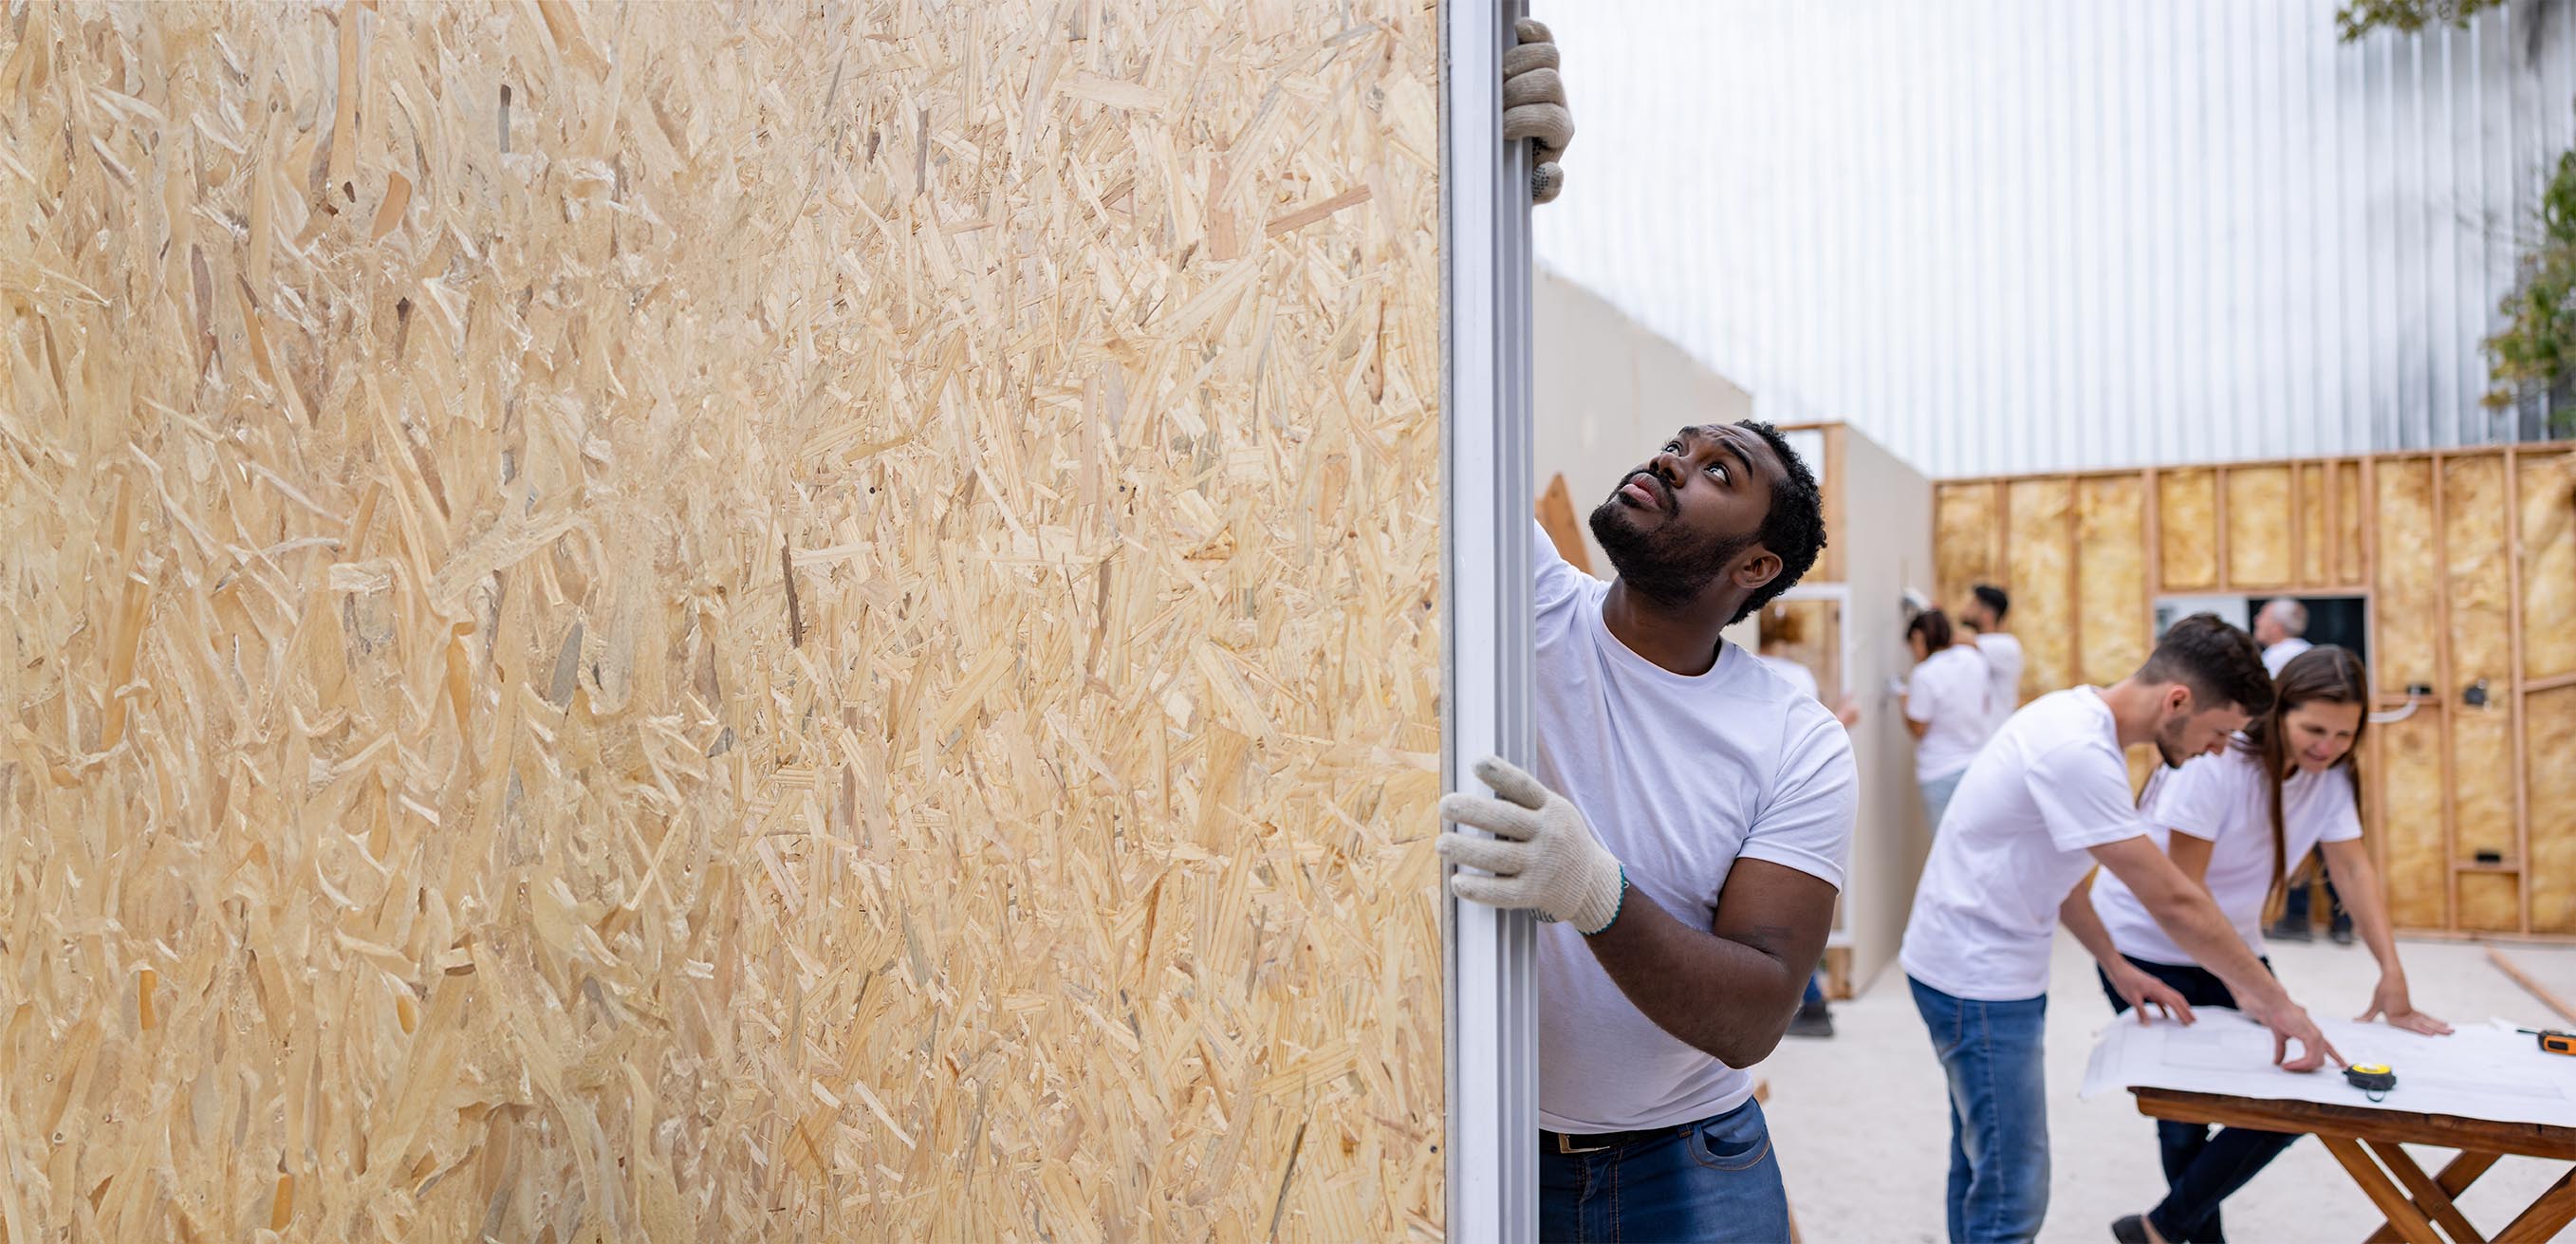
(2463, 1170)
(2429, 1196)
(2553, 1210)
(2412, 1226)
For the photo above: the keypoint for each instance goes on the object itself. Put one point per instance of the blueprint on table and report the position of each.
(2480, 1072)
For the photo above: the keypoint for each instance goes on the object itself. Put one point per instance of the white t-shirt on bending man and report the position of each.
(2224, 800)
(2051, 785)
(1949, 692)
(1680, 777)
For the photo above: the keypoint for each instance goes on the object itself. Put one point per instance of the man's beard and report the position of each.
(2169, 741)
(1659, 565)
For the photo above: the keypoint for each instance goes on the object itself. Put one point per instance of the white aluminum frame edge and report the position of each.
(1489, 982)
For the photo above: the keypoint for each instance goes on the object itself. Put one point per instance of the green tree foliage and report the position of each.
(2536, 352)
(2360, 17)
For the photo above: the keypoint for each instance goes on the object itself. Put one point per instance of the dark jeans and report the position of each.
(2294, 904)
(2201, 1169)
(1716, 1179)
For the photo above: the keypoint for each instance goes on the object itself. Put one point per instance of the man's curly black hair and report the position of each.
(1794, 530)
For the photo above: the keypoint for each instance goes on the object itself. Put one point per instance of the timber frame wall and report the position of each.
(2467, 560)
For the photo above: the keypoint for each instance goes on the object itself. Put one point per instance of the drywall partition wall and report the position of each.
(1877, 502)
(2468, 564)
(685, 623)
(1609, 394)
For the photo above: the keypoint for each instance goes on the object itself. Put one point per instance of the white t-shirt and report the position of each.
(2224, 800)
(1680, 777)
(1949, 692)
(2279, 654)
(1797, 673)
(2003, 668)
(2048, 787)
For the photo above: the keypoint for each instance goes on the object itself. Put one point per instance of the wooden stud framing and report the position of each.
(2346, 491)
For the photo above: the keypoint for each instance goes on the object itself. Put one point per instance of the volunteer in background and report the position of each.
(1782, 632)
(1949, 709)
(1983, 619)
(2231, 822)
(2281, 626)
(1684, 833)
(2046, 801)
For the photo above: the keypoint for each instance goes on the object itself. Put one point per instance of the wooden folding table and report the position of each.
(2416, 1203)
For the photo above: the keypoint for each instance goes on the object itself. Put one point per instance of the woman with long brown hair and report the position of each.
(2235, 822)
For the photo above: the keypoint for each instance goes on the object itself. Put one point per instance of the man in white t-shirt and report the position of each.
(1983, 616)
(2282, 628)
(1685, 829)
(2046, 801)
(1949, 709)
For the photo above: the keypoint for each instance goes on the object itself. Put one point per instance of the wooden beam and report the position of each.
(2540, 1223)
(2514, 971)
(2443, 689)
(2429, 1196)
(2463, 1170)
(2412, 1226)
(2514, 695)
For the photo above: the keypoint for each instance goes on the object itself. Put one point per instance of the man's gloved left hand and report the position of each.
(1534, 105)
(1543, 855)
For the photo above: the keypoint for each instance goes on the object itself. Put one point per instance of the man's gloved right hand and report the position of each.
(1543, 855)
(1534, 105)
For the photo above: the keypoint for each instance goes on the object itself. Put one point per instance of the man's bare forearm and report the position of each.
(2077, 914)
(1726, 997)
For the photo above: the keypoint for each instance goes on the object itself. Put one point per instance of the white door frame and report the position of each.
(1491, 1028)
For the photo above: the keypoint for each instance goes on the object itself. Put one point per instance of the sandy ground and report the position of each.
(1863, 1130)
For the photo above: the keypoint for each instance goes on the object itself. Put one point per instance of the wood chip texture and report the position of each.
(694, 622)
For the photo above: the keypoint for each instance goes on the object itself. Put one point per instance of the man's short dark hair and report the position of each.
(1794, 530)
(1993, 599)
(2218, 662)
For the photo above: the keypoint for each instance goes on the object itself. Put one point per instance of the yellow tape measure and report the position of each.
(2373, 1079)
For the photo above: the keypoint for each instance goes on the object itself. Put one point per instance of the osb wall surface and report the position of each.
(690, 623)
(2455, 538)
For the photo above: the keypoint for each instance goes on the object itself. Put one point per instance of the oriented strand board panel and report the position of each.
(2548, 502)
(2480, 584)
(2405, 601)
(2187, 529)
(1812, 633)
(2549, 738)
(2414, 856)
(689, 623)
(2040, 551)
(1964, 518)
(2316, 544)
(2261, 524)
(2111, 552)
(2351, 511)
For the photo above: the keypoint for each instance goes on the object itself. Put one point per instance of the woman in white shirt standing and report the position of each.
(1948, 707)
(2234, 822)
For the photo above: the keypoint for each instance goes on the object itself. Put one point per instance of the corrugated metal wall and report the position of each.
(2028, 235)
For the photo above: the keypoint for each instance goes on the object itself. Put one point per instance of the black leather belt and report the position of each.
(1595, 1142)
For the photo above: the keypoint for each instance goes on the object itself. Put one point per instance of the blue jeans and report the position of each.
(2201, 1169)
(1936, 798)
(1990, 1053)
(1717, 1179)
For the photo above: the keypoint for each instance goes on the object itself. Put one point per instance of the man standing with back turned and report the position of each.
(1984, 615)
(2045, 801)
(1683, 835)
(2282, 629)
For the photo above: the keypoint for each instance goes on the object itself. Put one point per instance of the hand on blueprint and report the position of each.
(2143, 991)
(2289, 1022)
(2390, 1001)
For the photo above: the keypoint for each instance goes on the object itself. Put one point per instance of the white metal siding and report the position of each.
(2029, 235)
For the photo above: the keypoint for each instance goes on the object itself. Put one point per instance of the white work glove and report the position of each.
(1534, 105)
(1543, 854)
